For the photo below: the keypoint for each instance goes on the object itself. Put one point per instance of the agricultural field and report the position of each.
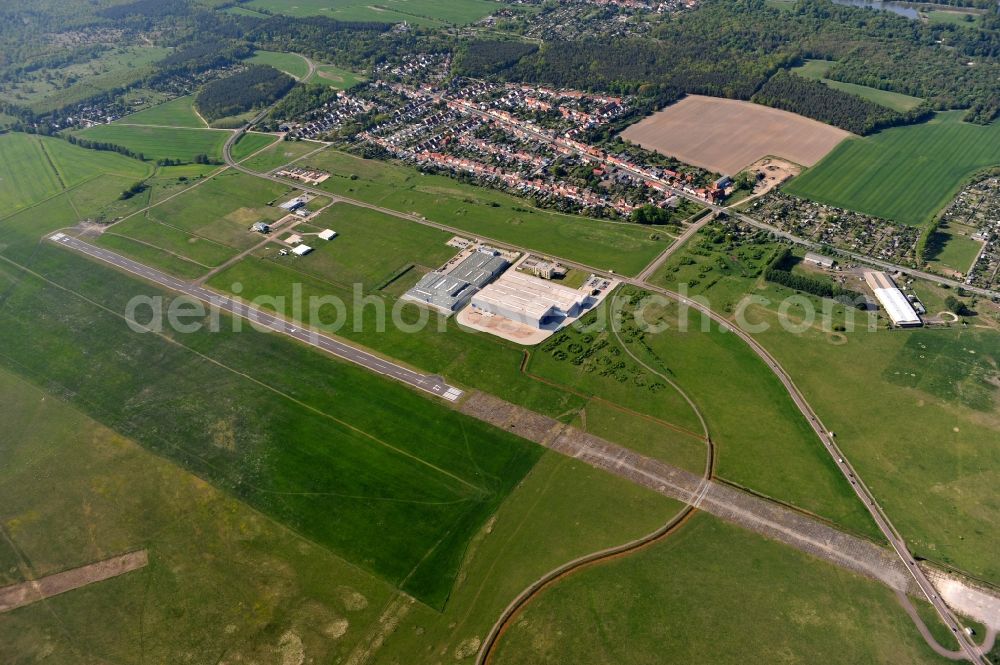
(906, 174)
(156, 143)
(336, 77)
(292, 64)
(699, 130)
(386, 478)
(623, 247)
(418, 12)
(36, 168)
(279, 154)
(51, 88)
(666, 600)
(177, 112)
(251, 142)
(817, 69)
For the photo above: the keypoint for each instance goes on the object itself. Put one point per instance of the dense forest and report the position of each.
(254, 87)
(490, 56)
(730, 48)
(835, 107)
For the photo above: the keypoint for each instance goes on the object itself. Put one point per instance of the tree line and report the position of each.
(779, 272)
(817, 100)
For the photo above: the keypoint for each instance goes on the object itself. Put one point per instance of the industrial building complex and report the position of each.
(530, 300)
(448, 289)
(895, 304)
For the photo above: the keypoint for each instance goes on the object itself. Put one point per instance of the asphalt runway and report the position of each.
(428, 383)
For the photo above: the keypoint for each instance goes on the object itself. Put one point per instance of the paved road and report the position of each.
(261, 319)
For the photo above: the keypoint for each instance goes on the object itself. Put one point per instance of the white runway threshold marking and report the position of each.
(429, 384)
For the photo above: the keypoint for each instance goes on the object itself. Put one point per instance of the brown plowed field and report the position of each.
(727, 135)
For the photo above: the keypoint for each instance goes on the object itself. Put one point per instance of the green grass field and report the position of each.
(417, 12)
(623, 247)
(222, 577)
(906, 174)
(761, 440)
(370, 248)
(786, 607)
(952, 250)
(915, 411)
(280, 154)
(292, 64)
(36, 168)
(161, 142)
(388, 479)
(223, 208)
(953, 17)
(212, 557)
(177, 112)
(817, 69)
(336, 77)
(250, 143)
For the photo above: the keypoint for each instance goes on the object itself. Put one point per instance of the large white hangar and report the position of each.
(530, 300)
(896, 305)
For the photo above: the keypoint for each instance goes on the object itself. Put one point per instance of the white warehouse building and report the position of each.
(530, 300)
(893, 301)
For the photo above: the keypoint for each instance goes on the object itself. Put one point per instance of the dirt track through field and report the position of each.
(727, 135)
(25, 593)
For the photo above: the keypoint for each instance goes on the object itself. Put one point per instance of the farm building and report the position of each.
(893, 301)
(819, 260)
(261, 227)
(302, 250)
(449, 291)
(327, 234)
(529, 300)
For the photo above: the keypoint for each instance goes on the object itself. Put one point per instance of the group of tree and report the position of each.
(777, 271)
(956, 306)
(136, 189)
(303, 99)
(815, 99)
(651, 214)
(254, 87)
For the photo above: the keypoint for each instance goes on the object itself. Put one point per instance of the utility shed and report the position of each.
(327, 234)
(302, 250)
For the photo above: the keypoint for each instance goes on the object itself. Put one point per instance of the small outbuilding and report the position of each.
(327, 234)
(302, 250)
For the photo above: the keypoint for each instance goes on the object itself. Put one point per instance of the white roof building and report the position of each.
(529, 300)
(327, 234)
(302, 250)
(893, 301)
